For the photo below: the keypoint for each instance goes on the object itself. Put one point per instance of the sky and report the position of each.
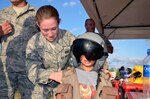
(127, 53)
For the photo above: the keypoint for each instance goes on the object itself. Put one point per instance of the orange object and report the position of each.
(116, 83)
(134, 95)
(130, 86)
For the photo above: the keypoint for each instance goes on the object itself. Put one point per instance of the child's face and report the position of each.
(49, 28)
(87, 63)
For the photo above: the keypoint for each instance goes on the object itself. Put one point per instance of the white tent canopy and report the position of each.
(120, 19)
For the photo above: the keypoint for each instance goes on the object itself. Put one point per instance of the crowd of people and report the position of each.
(39, 59)
(130, 75)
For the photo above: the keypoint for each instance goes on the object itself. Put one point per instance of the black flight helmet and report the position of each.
(89, 44)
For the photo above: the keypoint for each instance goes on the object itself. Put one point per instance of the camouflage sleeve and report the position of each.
(1, 17)
(72, 61)
(107, 42)
(70, 37)
(1, 21)
(36, 72)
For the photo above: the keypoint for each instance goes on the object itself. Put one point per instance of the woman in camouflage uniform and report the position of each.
(47, 53)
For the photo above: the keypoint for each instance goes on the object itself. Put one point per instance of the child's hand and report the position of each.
(57, 76)
(107, 72)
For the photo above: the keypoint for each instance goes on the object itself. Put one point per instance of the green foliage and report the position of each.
(117, 74)
(111, 70)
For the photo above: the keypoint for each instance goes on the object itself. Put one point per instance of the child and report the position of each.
(86, 83)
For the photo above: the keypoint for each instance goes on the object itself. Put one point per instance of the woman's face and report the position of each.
(49, 28)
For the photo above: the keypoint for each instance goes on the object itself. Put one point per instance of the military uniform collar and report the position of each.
(28, 8)
(58, 45)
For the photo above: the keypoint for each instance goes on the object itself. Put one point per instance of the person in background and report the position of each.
(90, 27)
(47, 53)
(86, 83)
(129, 71)
(122, 72)
(17, 26)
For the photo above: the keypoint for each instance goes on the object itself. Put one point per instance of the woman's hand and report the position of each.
(57, 76)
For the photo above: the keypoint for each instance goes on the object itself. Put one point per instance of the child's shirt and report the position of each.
(87, 83)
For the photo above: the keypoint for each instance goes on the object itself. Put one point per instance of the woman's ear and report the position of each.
(37, 24)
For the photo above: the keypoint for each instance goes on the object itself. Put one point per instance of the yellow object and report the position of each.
(138, 68)
(138, 80)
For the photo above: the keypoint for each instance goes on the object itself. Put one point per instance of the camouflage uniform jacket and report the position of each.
(42, 59)
(70, 77)
(14, 44)
(107, 42)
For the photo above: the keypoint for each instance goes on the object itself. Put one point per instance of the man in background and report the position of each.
(90, 27)
(17, 26)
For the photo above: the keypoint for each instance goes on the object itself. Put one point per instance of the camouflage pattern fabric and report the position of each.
(42, 59)
(107, 42)
(13, 73)
(101, 62)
